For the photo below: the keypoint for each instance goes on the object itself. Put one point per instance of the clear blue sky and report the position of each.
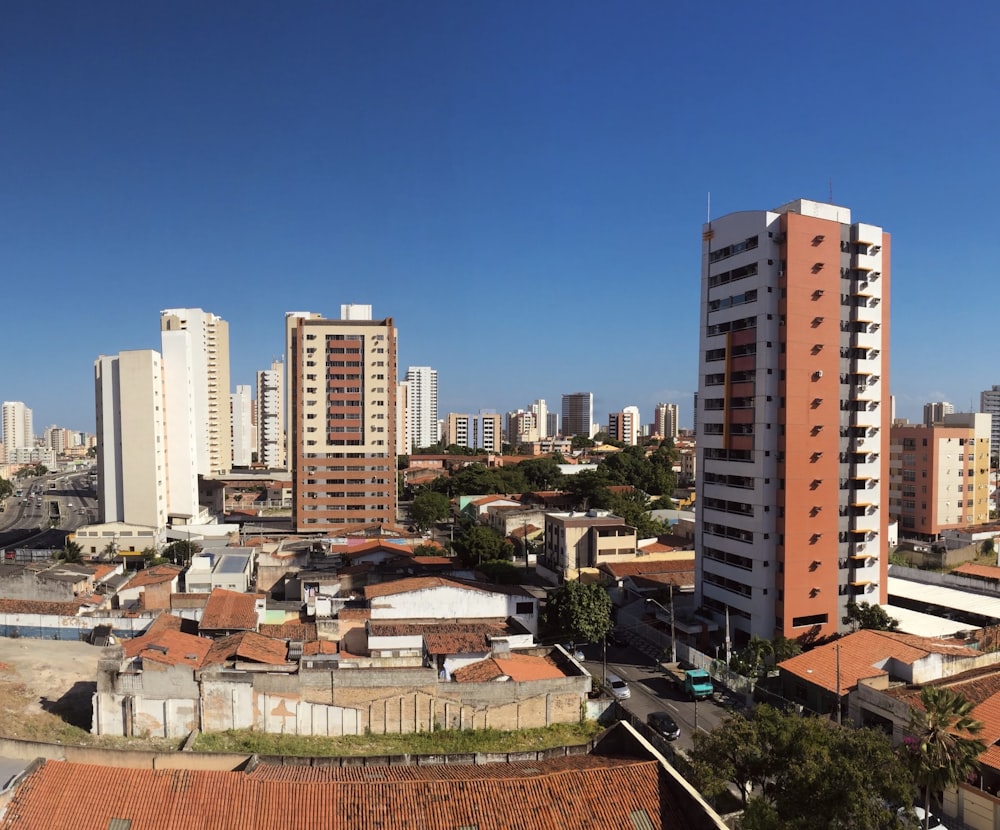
(521, 185)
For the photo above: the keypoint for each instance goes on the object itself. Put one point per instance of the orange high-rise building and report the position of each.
(793, 419)
(342, 419)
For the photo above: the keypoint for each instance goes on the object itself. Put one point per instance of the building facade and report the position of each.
(18, 427)
(624, 426)
(476, 432)
(200, 384)
(666, 420)
(793, 419)
(423, 412)
(342, 397)
(270, 410)
(243, 426)
(989, 402)
(939, 475)
(935, 412)
(131, 439)
(578, 414)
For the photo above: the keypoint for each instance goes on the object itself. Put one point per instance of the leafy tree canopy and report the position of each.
(478, 544)
(580, 612)
(803, 772)
(6, 488)
(181, 551)
(874, 617)
(429, 507)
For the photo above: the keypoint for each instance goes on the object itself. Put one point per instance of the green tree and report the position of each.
(181, 551)
(71, 552)
(478, 543)
(429, 507)
(633, 507)
(581, 442)
(874, 617)
(580, 612)
(590, 489)
(6, 488)
(784, 648)
(942, 751)
(428, 550)
(541, 473)
(751, 660)
(796, 773)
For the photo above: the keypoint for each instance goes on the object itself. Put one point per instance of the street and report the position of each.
(651, 691)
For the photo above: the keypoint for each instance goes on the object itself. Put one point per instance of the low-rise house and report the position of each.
(229, 568)
(628, 581)
(48, 581)
(150, 588)
(228, 612)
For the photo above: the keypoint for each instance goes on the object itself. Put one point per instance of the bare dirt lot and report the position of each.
(46, 688)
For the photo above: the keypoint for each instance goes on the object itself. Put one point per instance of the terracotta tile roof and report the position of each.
(416, 583)
(861, 655)
(171, 648)
(290, 631)
(229, 610)
(983, 571)
(314, 647)
(619, 570)
(35, 606)
(65, 796)
(249, 647)
(446, 638)
(188, 600)
(354, 614)
(427, 561)
(101, 571)
(353, 551)
(518, 667)
(156, 575)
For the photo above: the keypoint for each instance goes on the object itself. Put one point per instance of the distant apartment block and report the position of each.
(793, 419)
(198, 381)
(18, 427)
(271, 416)
(423, 412)
(541, 412)
(477, 432)
(522, 427)
(131, 439)
(666, 421)
(404, 442)
(578, 542)
(243, 426)
(578, 414)
(940, 475)
(342, 399)
(624, 426)
(934, 412)
(989, 402)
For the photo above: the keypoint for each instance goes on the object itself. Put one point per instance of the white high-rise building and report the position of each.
(243, 428)
(793, 420)
(541, 412)
(131, 438)
(201, 384)
(665, 420)
(271, 416)
(624, 426)
(423, 411)
(18, 428)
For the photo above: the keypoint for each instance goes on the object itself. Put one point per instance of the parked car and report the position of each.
(618, 687)
(664, 725)
(574, 651)
(914, 817)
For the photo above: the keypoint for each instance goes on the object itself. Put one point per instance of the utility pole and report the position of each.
(837, 648)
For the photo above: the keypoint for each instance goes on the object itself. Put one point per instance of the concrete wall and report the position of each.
(54, 627)
(29, 585)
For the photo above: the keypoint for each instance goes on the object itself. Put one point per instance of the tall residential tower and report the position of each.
(422, 416)
(793, 419)
(342, 422)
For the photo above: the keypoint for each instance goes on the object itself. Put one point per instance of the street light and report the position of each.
(670, 611)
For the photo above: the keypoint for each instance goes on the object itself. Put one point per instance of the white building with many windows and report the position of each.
(422, 420)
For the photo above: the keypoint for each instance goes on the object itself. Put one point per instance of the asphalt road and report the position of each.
(651, 691)
(26, 521)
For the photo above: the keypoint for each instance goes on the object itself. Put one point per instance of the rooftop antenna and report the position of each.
(708, 218)
(831, 190)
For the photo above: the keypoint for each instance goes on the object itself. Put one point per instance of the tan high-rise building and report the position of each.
(793, 419)
(666, 421)
(624, 426)
(940, 474)
(198, 383)
(131, 438)
(342, 423)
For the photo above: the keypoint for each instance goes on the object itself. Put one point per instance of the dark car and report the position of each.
(664, 725)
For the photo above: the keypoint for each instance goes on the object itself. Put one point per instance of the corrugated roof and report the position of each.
(943, 597)
(64, 796)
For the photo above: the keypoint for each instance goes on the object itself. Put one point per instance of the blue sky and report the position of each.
(520, 185)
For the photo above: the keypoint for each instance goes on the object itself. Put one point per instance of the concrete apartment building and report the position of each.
(578, 414)
(666, 420)
(625, 425)
(131, 439)
(934, 412)
(522, 427)
(197, 381)
(793, 419)
(477, 432)
(423, 407)
(342, 426)
(939, 475)
(270, 410)
(541, 412)
(989, 402)
(579, 542)
(243, 426)
(18, 428)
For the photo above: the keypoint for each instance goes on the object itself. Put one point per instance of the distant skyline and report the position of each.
(520, 186)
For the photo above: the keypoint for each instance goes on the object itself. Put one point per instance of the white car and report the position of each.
(618, 687)
(918, 811)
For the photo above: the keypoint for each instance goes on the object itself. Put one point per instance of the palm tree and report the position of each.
(942, 751)
(71, 552)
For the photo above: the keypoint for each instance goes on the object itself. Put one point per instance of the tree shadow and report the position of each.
(76, 706)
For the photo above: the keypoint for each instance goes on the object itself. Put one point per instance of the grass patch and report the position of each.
(420, 743)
